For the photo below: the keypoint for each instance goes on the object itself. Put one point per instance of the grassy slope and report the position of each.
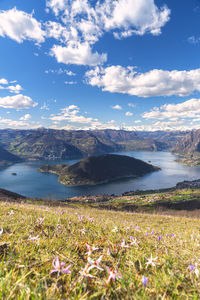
(25, 265)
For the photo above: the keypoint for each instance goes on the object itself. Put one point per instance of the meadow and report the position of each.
(86, 253)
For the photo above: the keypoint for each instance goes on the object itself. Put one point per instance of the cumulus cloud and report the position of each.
(128, 114)
(56, 5)
(134, 17)
(187, 109)
(25, 117)
(17, 102)
(117, 106)
(126, 17)
(3, 81)
(78, 54)
(9, 123)
(15, 89)
(94, 125)
(71, 114)
(117, 79)
(19, 25)
(77, 121)
(85, 22)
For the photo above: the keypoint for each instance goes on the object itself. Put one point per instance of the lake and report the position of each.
(29, 182)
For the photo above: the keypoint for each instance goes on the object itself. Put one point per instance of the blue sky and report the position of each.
(131, 64)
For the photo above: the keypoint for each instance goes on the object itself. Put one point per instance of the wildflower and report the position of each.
(40, 221)
(95, 263)
(85, 272)
(90, 249)
(80, 218)
(60, 267)
(108, 251)
(194, 269)
(1, 231)
(11, 213)
(160, 237)
(134, 241)
(91, 219)
(123, 244)
(83, 231)
(115, 229)
(144, 280)
(33, 238)
(152, 261)
(112, 275)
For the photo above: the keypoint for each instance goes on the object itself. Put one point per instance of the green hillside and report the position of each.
(99, 169)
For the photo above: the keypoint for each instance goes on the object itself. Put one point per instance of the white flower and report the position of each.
(152, 261)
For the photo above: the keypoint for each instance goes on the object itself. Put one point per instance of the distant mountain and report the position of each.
(99, 169)
(62, 144)
(7, 157)
(189, 148)
(188, 144)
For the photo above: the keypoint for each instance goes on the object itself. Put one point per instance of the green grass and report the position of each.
(25, 265)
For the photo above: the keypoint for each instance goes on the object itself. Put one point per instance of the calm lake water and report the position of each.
(29, 182)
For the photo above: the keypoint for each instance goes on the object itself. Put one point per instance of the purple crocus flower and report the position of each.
(160, 237)
(60, 267)
(144, 280)
(191, 267)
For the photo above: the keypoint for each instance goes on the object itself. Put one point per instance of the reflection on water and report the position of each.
(30, 182)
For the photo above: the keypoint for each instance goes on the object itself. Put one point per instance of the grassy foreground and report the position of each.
(107, 254)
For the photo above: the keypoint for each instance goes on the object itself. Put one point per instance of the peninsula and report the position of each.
(99, 169)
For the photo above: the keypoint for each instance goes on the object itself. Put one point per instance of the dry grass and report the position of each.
(25, 264)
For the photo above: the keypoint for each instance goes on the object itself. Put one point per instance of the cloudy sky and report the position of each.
(80, 64)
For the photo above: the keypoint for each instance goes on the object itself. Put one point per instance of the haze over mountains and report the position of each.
(62, 144)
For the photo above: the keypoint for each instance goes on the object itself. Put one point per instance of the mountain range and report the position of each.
(62, 144)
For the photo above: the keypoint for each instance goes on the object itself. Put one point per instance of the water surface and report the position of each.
(30, 182)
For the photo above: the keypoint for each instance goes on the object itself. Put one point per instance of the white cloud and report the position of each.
(44, 106)
(56, 5)
(9, 123)
(25, 117)
(60, 71)
(131, 105)
(153, 83)
(94, 125)
(70, 82)
(15, 88)
(137, 121)
(127, 17)
(78, 54)
(134, 17)
(129, 114)
(71, 114)
(187, 109)
(194, 40)
(19, 25)
(12, 88)
(118, 107)
(17, 102)
(3, 81)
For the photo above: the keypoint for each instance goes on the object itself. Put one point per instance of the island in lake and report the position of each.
(99, 169)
